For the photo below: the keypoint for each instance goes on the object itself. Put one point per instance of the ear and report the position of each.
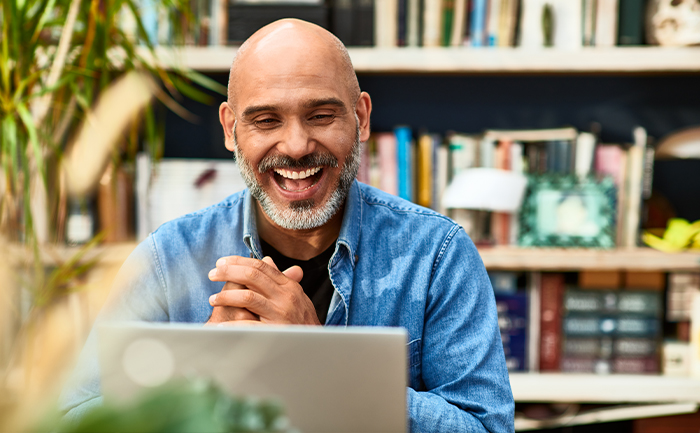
(363, 109)
(227, 119)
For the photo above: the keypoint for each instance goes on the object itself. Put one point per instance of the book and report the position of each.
(512, 322)
(534, 284)
(551, 298)
(464, 154)
(531, 33)
(532, 135)
(432, 23)
(493, 23)
(414, 28)
(244, 19)
(458, 23)
(442, 173)
(363, 17)
(606, 23)
(426, 169)
(633, 189)
(388, 164)
(386, 23)
(568, 17)
(631, 22)
(477, 25)
(342, 21)
(447, 21)
(589, 22)
(404, 161)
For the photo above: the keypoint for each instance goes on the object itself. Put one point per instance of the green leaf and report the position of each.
(33, 139)
(9, 134)
(204, 81)
(47, 9)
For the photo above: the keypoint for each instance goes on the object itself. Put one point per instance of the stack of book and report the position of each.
(603, 324)
(512, 306)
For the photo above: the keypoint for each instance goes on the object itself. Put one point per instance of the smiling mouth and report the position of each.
(297, 180)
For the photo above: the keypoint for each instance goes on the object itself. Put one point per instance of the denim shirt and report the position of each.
(394, 264)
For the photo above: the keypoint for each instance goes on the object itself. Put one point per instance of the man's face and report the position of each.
(296, 136)
(306, 213)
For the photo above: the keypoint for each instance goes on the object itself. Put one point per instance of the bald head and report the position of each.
(288, 42)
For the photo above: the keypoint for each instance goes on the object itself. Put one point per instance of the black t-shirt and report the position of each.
(316, 281)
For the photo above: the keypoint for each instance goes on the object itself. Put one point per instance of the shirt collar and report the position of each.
(349, 230)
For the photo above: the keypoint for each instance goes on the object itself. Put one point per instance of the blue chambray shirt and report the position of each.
(395, 264)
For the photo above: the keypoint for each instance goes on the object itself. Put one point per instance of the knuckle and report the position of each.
(252, 273)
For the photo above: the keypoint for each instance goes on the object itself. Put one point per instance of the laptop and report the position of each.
(328, 379)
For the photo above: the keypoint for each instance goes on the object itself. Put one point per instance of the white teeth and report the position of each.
(298, 174)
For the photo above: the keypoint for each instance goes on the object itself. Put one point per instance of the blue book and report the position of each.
(512, 322)
(405, 163)
(478, 23)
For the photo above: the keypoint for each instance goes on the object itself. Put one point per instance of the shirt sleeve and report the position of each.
(138, 294)
(464, 375)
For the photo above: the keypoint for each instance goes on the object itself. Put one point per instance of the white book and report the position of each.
(432, 22)
(606, 23)
(386, 23)
(585, 149)
(568, 17)
(531, 35)
(459, 23)
(441, 176)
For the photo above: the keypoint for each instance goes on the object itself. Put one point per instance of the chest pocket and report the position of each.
(414, 362)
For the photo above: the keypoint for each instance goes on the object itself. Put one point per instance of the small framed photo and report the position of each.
(563, 211)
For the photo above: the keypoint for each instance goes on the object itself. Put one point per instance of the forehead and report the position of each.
(289, 70)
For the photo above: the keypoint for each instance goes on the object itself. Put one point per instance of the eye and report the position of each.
(322, 118)
(266, 123)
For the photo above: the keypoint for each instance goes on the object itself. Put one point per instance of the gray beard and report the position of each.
(304, 214)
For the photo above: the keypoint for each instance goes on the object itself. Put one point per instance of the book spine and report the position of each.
(386, 23)
(458, 23)
(342, 21)
(364, 34)
(478, 23)
(606, 23)
(425, 170)
(432, 22)
(551, 294)
(402, 23)
(631, 22)
(404, 162)
(448, 12)
(413, 23)
(386, 149)
(492, 23)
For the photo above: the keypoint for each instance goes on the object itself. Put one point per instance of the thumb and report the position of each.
(294, 273)
(269, 261)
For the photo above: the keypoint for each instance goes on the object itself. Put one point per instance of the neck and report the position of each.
(298, 244)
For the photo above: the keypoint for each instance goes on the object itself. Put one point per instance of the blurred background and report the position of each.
(110, 109)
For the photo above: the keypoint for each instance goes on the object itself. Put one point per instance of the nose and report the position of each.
(296, 140)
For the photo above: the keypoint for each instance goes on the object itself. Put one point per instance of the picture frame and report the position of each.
(564, 211)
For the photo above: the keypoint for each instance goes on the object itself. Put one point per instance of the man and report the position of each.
(307, 244)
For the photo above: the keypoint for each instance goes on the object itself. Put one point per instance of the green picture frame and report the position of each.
(563, 211)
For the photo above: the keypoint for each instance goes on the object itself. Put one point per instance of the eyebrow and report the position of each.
(313, 103)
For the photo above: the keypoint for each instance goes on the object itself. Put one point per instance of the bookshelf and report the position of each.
(474, 60)
(615, 388)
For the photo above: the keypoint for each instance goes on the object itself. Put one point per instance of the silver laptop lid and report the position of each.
(328, 379)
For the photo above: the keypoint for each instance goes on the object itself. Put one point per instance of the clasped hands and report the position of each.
(256, 292)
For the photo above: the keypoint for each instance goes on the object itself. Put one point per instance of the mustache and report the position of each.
(306, 161)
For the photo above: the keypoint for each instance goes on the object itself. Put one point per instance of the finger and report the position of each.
(240, 323)
(294, 273)
(233, 286)
(228, 269)
(225, 314)
(248, 299)
(269, 261)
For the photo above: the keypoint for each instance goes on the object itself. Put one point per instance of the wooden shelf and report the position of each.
(495, 258)
(613, 388)
(462, 60)
(560, 259)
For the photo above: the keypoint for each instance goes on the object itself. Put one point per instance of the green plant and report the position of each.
(56, 58)
(181, 407)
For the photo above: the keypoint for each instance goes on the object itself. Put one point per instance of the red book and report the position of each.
(551, 296)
